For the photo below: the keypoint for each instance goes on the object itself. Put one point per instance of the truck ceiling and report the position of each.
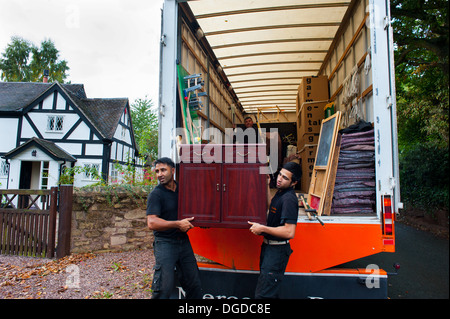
(264, 47)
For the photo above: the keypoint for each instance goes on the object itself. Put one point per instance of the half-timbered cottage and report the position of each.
(45, 127)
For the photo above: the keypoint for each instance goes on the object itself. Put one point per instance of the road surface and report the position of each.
(424, 261)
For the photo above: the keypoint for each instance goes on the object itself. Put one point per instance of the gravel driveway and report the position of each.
(125, 275)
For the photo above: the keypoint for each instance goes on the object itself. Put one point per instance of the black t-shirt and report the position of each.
(283, 209)
(164, 203)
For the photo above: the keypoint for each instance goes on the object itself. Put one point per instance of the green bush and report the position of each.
(424, 177)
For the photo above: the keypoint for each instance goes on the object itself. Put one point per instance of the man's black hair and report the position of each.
(164, 160)
(295, 169)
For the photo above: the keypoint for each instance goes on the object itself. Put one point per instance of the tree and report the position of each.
(421, 26)
(421, 36)
(22, 61)
(15, 60)
(145, 126)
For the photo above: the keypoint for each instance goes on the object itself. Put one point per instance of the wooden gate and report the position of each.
(28, 222)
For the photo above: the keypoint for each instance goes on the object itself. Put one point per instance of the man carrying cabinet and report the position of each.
(280, 228)
(172, 247)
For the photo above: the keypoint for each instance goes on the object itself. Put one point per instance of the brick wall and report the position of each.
(109, 219)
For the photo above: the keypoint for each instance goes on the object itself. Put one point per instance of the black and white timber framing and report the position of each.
(63, 128)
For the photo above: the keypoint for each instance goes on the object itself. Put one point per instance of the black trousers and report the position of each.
(272, 262)
(171, 254)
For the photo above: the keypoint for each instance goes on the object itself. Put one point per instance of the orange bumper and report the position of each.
(315, 247)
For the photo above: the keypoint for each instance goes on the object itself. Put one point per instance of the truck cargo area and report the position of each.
(291, 66)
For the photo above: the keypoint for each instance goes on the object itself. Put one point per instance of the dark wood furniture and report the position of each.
(221, 185)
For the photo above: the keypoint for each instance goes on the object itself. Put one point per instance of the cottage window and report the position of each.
(3, 168)
(44, 179)
(55, 123)
(91, 171)
(114, 174)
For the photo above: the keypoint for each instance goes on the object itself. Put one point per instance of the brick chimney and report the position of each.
(46, 72)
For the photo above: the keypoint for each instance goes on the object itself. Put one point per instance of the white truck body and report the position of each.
(381, 104)
(363, 39)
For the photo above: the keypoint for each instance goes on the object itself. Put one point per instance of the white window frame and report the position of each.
(88, 176)
(114, 174)
(4, 168)
(45, 174)
(53, 119)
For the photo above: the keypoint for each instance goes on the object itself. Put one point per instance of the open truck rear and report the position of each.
(252, 57)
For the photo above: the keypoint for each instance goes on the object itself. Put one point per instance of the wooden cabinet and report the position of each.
(222, 189)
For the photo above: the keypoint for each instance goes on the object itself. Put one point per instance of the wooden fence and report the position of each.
(28, 220)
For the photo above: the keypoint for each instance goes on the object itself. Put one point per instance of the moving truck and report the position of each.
(221, 61)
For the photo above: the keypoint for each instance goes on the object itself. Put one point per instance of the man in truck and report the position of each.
(280, 228)
(248, 135)
(172, 247)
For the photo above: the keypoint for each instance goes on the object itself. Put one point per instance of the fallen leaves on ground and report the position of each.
(14, 273)
(100, 276)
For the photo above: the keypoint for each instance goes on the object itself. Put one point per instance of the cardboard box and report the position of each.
(313, 88)
(308, 139)
(307, 159)
(309, 118)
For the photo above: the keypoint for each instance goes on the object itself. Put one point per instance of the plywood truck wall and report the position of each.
(348, 67)
(219, 105)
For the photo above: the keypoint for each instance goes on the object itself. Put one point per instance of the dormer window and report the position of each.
(55, 123)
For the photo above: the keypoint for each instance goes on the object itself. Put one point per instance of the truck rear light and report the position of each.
(388, 229)
(388, 221)
(387, 207)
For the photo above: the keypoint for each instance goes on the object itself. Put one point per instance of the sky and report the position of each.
(111, 46)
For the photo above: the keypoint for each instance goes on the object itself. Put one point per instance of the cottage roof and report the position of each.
(50, 148)
(16, 96)
(103, 114)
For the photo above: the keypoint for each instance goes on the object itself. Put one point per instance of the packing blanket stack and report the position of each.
(312, 98)
(354, 190)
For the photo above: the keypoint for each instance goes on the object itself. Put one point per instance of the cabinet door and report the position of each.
(200, 193)
(244, 194)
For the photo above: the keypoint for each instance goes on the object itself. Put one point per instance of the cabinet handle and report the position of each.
(218, 187)
(224, 187)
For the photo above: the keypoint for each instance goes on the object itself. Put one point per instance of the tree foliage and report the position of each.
(421, 58)
(22, 61)
(145, 126)
(425, 177)
(421, 36)
(421, 33)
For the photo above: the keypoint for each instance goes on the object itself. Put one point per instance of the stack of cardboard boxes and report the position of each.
(311, 100)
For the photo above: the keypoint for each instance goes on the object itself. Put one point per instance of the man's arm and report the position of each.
(287, 231)
(159, 224)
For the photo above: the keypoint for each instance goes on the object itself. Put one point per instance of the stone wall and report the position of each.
(109, 219)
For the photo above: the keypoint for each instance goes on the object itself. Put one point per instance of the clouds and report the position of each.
(111, 46)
